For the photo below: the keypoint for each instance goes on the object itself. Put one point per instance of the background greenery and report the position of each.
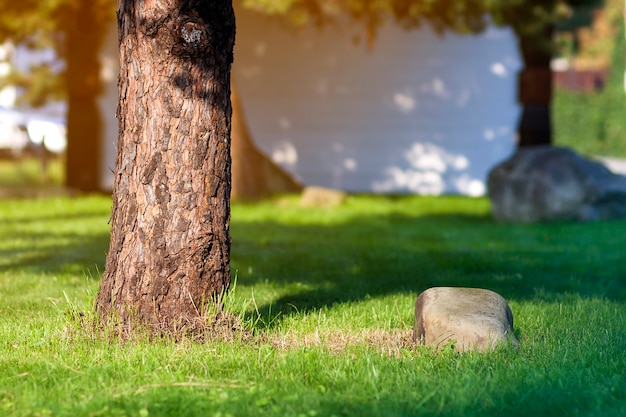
(595, 123)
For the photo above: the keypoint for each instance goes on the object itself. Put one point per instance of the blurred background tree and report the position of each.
(33, 24)
(75, 30)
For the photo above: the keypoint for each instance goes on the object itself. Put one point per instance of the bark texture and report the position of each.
(254, 175)
(170, 245)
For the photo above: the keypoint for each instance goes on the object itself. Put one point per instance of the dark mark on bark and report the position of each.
(149, 171)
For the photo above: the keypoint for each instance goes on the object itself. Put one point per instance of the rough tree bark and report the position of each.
(170, 245)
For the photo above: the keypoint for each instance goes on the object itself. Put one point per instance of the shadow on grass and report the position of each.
(83, 214)
(57, 253)
(315, 266)
(54, 243)
(318, 265)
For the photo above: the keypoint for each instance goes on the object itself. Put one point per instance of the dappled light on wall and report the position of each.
(405, 102)
(285, 154)
(430, 169)
(417, 113)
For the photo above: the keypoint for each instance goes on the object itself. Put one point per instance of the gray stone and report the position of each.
(470, 318)
(321, 197)
(546, 183)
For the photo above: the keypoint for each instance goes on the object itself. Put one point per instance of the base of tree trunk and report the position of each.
(168, 265)
(535, 126)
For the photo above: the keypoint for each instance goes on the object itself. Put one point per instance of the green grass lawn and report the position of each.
(329, 295)
(27, 178)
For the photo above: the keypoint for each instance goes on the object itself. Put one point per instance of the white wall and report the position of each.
(417, 113)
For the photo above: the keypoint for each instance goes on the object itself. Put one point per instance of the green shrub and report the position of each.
(594, 123)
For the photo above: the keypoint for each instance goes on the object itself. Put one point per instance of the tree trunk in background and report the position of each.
(170, 245)
(84, 126)
(535, 90)
(254, 175)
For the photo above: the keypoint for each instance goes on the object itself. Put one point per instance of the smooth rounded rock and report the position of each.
(467, 318)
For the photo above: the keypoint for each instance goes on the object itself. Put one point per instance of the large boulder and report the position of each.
(467, 318)
(546, 183)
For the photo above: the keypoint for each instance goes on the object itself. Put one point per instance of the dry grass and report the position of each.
(388, 343)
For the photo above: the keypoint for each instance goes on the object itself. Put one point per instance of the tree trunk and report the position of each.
(83, 41)
(168, 259)
(535, 90)
(254, 175)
